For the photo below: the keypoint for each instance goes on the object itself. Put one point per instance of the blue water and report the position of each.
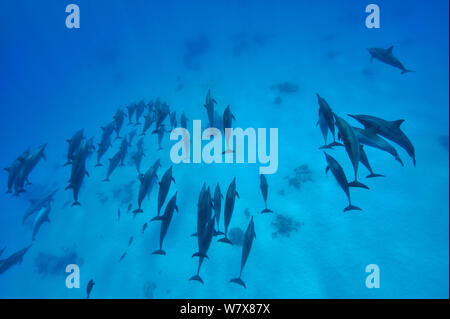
(54, 81)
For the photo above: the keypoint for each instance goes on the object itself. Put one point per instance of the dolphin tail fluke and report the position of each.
(118, 137)
(225, 240)
(266, 210)
(68, 163)
(355, 183)
(197, 278)
(199, 254)
(407, 71)
(239, 281)
(159, 252)
(326, 146)
(227, 152)
(139, 210)
(156, 218)
(98, 164)
(374, 175)
(76, 203)
(351, 207)
(106, 180)
(194, 234)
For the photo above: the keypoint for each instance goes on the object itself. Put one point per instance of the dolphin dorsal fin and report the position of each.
(390, 49)
(398, 122)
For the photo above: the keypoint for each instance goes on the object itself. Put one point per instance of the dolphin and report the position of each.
(264, 189)
(149, 119)
(147, 180)
(352, 147)
(74, 143)
(388, 129)
(113, 163)
(36, 205)
(15, 168)
(123, 150)
(183, 121)
(365, 161)
(217, 207)
(137, 157)
(166, 218)
(89, 287)
(140, 108)
(173, 120)
(246, 247)
(76, 178)
(131, 108)
(144, 227)
(102, 148)
(119, 118)
(41, 218)
(12, 260)
(204, 211)
(386, 56)
(209, 105)
(340, 177)
(161, 112)
(229, 207)
(326, 121)
(228, 117)
(107, 131)
(28, 165)
(160, 131)
(370, 138)
(164, 186)
(205, 238)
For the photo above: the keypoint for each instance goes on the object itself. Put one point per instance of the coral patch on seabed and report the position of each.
(284, 226)
(302, 174)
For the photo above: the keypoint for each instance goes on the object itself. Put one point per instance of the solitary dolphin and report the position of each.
(340, 177)
(365, 161)
(388, 129)
(386, 56)
(370, 138)
(264, 189)
(217, 207)
(352, 147)
(164, 186)
(326, 121)
(41, 218)
(166, 218)
(12, 260)
(229, 207)
(246, 247)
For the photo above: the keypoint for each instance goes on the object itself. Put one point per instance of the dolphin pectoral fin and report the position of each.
(351, 207)
(237, 194)
(407, 71)
(374, 175)
(238, 281)
(327, 169)
(390, 49)
(355, 183)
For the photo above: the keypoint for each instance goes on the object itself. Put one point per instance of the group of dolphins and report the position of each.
(374, 133)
